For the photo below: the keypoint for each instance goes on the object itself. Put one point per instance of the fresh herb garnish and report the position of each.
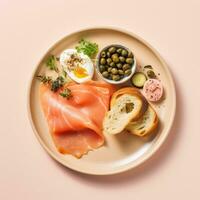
(55, 84)
(51, 63)
(58, 83)
(66, 93)
(44, 79)
(64, 73)
(87, 47)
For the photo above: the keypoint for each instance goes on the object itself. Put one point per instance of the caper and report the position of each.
(127, 72)
(103, 54)
(115, 58)
(129, 60)
(115, 54)
(119, 65)
(112, 64)
(101, 68)
(122, 59)
(124, 52)
(126, 66)
(121, 72)
(105, 74)
(109, 77)
(109, 69)
(109, 60)
(114, 71)
(130, 54)
(103, 61)
(151, 74)
(108, 54)
(119, 50)
(116, 77)
(112, 50)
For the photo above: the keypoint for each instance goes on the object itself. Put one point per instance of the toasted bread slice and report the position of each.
(130, 91)
(145, 125)
(125, 90)
(126, 105)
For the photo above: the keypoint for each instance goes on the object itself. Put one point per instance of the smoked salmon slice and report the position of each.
(76, 123)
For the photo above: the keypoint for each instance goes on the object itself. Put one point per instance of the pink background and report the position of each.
(28, 29)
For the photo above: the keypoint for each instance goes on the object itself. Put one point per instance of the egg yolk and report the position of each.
(80, 72)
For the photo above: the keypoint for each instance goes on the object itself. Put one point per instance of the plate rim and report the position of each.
(145, 156)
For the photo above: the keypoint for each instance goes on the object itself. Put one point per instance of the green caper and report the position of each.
(112, 64)
(112, 50)
(119, 50)
(126, 66)
(109, 69)
(151, 74)
(116, 77)
(103, 61)
(103, 54)
(105, 74)
(115, 58)
(114, 71)
(130, 54)
(119, 65)
(109, 60)
(115, 54)
(102, 68)
(129, 60)
(121, 72)
(127, 72)
(108, 54)
(109, 77)
(122, 59)
(124, 52)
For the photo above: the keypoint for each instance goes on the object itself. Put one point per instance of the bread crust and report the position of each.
(138, 117)
(147, 131)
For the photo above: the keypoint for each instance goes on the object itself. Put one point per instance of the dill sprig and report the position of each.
(66, 93)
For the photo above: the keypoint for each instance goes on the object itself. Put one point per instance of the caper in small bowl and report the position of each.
(119, 62)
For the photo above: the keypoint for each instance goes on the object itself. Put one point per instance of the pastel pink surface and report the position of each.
(28, 29)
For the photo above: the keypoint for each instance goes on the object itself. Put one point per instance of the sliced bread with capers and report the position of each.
(145, 125)
(127, 104)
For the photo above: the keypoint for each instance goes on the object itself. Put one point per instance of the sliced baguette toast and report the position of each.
(131, 91)
(145, 125)
(127, 104)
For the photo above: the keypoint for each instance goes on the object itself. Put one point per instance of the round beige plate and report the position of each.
(123, 151)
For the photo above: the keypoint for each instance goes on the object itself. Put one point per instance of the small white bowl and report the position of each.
(133, 68)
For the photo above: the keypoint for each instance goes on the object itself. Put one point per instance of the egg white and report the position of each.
(87, 65)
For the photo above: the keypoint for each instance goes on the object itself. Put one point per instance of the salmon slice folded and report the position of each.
(76, 123)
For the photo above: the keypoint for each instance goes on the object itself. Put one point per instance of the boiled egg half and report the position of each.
(78, 66)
